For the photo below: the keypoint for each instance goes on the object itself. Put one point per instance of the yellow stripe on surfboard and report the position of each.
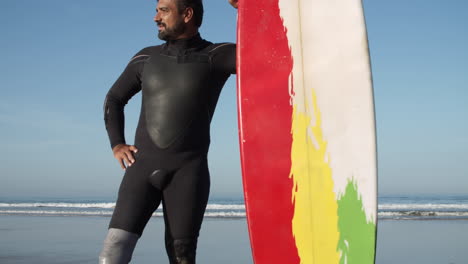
(315, 220)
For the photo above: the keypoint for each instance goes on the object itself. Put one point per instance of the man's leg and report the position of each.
(136, 202)
(185, 200)
(169, 241)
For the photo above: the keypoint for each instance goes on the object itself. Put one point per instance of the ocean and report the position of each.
(389, 207)
(71, 230)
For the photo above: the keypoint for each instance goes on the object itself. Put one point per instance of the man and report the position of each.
(180, 81)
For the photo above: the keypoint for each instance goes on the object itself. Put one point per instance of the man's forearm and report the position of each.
(114, 120)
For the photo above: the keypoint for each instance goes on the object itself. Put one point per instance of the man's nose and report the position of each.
(157, 17)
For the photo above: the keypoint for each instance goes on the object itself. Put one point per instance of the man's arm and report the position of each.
(224, 58)
(127, 85)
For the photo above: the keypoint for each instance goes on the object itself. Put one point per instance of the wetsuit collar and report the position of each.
(187, 43)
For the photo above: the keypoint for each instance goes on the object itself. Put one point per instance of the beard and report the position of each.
(171, 33)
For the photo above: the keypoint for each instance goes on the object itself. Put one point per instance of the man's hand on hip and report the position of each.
(124, 154)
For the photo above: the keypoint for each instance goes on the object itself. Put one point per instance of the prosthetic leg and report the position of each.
(118, 247)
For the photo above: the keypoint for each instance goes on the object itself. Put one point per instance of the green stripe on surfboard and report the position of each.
(357, 234)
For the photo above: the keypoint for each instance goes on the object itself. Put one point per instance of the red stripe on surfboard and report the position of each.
(265, 117)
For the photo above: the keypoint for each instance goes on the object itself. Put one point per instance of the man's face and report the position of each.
(170, 22)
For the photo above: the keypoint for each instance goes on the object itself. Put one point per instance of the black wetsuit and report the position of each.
(181, 81)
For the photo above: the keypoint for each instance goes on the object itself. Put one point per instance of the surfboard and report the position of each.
(307, 131)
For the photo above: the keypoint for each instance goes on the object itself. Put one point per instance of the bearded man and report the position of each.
(180, 82)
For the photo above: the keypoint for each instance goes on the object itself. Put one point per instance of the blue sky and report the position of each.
(60, 57)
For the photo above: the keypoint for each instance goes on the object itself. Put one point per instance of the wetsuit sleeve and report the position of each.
(224, 58)
(126, 86)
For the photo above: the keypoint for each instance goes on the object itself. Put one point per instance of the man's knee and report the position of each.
(118, 247)
(185, 250)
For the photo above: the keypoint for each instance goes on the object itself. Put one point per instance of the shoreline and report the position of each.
(80, 214)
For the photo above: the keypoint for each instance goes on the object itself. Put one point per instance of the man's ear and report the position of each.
(188, 14)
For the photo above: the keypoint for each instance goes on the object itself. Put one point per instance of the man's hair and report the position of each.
(197, 7)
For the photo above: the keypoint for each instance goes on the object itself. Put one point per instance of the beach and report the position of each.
(78, 239)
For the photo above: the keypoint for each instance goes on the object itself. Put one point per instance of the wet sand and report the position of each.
(73, 240)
